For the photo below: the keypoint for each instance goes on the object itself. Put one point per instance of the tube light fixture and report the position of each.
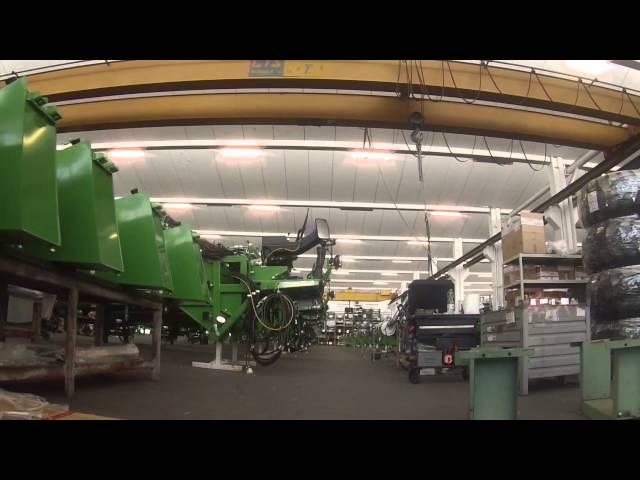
(264, 208)
(235, 153)
(443, 213)
(389, 274)
(380, 283)
(400, 261)
(348, 240)
(339, 272)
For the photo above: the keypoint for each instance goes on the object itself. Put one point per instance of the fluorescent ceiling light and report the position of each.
(415, 242)
(488, 275)
(237, 153)
(401, 261)
(128, 154)
(380, 283)
(264, 208)
(177, 206)
(337, 272)
(349, 240)
(211, 236)
(590, 67)
(344, 259)
(446, 214)
(389, 274)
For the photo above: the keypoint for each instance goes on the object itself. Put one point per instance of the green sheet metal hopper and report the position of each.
(88, 224)
(186, 264)
(28, 187)
(144, 255)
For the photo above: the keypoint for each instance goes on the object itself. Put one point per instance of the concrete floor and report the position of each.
(326, 383)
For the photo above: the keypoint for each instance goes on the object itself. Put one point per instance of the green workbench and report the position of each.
(610, 379)
(493, 381)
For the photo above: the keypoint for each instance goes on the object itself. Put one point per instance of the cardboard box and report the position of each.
(523, 234)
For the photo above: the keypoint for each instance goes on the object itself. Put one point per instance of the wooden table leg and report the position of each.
(156, 343)
(70, 342)
(4, 309)
(98, 326)
(36, 322)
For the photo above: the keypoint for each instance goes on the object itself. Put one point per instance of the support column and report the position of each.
(36, 322)
(4, 309)
(71, 329)
(156, 339)
(497, 289)
(562, 217)
(459, 274)
(98, 326)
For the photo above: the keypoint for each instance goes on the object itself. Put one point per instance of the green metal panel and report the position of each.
(626, 381)
(143, 248)
(493, 382)
(87, 212)
(28, 187)
(610, 379)
(187, 268)
(595, 370)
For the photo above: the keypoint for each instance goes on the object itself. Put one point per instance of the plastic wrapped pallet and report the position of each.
(612, 243)
(615, 301)
(609, 196)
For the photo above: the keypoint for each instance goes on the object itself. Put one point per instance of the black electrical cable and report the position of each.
(529, 163)
(471, 102)
(492, 79)
(632, 102)
(451, 151)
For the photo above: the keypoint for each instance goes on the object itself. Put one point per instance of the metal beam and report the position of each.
(441, 78)
(358, 206)
(341, 110)
(338, 236)
(477, 154)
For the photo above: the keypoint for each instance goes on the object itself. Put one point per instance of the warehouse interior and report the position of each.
(321, 239)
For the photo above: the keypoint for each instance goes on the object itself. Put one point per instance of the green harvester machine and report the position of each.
(255, 298)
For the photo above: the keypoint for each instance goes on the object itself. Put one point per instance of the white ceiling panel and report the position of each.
(296, 174)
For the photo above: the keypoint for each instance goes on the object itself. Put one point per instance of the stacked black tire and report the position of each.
(609, 208)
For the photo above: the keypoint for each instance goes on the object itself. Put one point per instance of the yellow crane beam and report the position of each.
(360, 296)
(434, 77)
(338, 109)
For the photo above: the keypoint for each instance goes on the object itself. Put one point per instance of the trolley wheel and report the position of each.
(414, 375)
(465, 374)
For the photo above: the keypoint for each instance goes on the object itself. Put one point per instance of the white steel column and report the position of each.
(494, 254)
(562, 217)
(459, 274)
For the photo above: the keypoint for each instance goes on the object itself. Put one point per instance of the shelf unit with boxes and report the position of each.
(546, 312)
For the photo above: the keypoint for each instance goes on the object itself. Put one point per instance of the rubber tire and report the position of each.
(615, 294)
(612, 243)
(414, 375)
(616, 194)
